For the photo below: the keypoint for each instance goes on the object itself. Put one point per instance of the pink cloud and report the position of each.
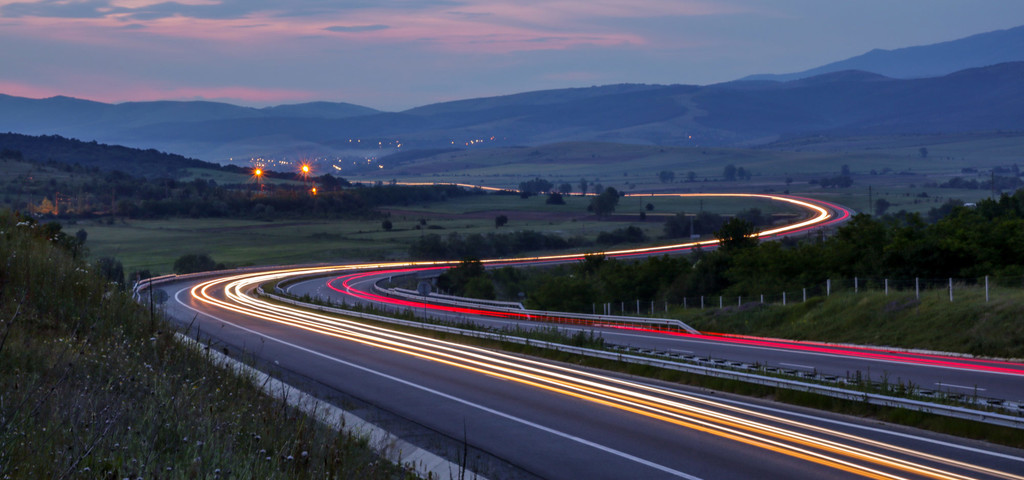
(114, 93)
(482, 27)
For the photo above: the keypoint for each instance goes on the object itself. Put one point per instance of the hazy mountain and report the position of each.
(736, 113)
(319, 110)
(980, 50)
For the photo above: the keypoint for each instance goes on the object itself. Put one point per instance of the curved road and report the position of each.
(524, 418)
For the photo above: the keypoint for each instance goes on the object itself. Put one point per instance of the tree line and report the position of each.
(965, 243)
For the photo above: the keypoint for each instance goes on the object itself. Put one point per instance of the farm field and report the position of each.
(155, 244)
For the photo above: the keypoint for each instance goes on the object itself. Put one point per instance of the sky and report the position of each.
(397, 54)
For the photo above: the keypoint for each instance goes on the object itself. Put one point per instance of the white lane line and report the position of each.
(453, 398)
(959, 386)
(797, 365)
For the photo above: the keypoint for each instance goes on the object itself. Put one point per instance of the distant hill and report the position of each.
(980, 50)
(318, 110)
(105, 158)
(740, 113)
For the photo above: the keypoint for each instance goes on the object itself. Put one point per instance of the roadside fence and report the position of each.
(982, 289)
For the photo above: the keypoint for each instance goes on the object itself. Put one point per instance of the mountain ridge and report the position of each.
(921, 61)
(738, 113)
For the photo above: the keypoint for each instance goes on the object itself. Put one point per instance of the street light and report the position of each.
(258, 172)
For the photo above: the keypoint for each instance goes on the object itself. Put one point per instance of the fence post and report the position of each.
(719, 301)
(783, 298)
(702, 302)
(986, 288)
(594, 305)
(828, 287)
(951, 289)
(652, 308)
(739, 301)
(762, 298)
(684, 303)
(638, 307)
(887, 287)
(917, 287)
(856, 288)
(805, 294)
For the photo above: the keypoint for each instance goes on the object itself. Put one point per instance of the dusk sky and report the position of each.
(397, 54)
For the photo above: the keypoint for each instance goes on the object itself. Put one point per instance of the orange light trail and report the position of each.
(820, 445)
(813, 443)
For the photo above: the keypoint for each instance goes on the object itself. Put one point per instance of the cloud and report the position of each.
(356, 28)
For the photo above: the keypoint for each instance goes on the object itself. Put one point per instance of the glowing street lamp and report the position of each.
(258, 172)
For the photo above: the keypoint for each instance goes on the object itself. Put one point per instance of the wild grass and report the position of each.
(92, 387)
(968, 325)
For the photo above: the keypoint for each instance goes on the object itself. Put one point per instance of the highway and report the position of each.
(949, 374)
(510, 416)
(535, 419)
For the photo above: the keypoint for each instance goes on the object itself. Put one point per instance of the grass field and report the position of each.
(155, 244)
(901, 176)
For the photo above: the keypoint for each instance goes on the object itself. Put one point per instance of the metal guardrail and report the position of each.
(992, 418)
(542, 315)
(452, 299)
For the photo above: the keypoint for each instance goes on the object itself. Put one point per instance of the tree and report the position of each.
(555, 198)
(923, 152)
(583, 186)
(469, 279)
(386, 225)
(194, 262)
(500, 221)
(666, 176)
(729, 172)
(565, 188)
(535, 186)
(691, 176)
(881, 205)
(736, 234)
(678, 226)
(111, 269)
(604, 203)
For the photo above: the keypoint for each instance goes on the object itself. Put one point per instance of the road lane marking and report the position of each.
(797, 365)
(959, 386)
(453, 398)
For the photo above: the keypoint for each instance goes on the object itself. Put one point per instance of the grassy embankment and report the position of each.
(91, 387)
(968, 325)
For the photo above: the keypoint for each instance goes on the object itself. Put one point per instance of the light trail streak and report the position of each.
(934, 360)
(652, 402)
(821, 215)
(809, 442)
